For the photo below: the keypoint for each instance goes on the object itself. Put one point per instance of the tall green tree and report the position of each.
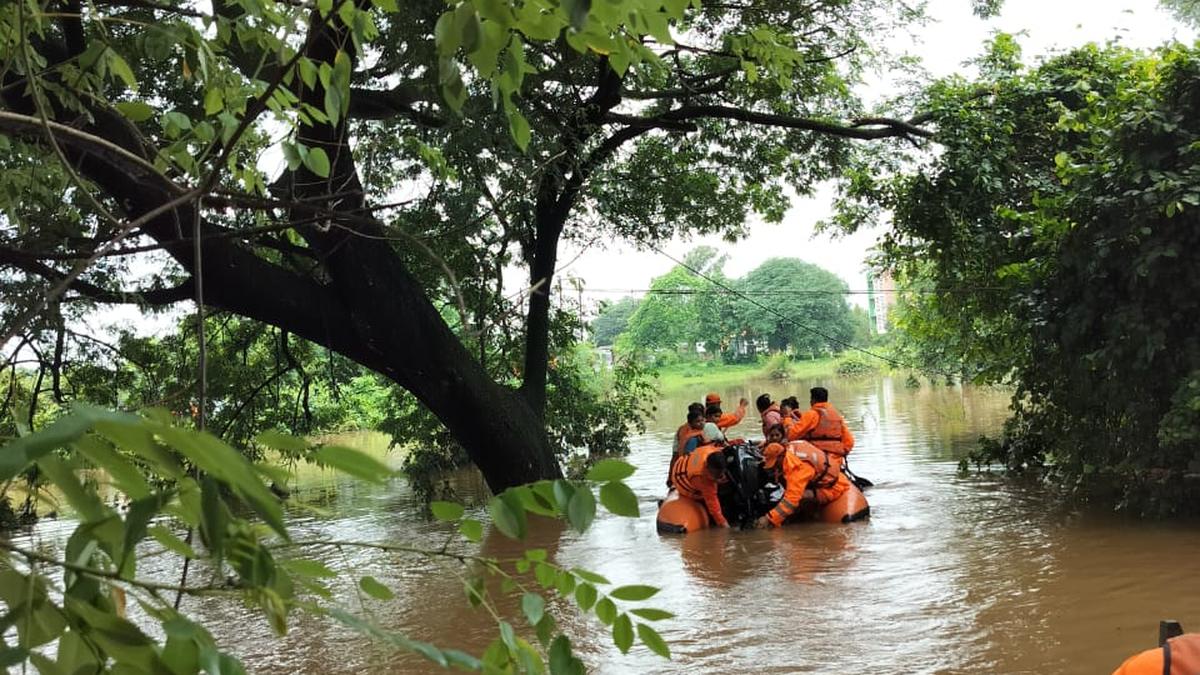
(613, 320)
(682, 309)
(345, 171)
(793, 305)
(1057, 236)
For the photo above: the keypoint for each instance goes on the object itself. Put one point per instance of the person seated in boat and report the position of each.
(723, 420)
(695, 475)
(823, 426)
(693, 426)
(710, 434)
(805, 471)
(769, 411)
(690, 432)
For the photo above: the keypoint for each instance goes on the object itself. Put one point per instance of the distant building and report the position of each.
(881, 297)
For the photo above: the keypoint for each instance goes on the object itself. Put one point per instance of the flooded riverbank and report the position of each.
(951, 574)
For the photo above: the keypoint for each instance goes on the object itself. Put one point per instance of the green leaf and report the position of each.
(125, 476)
(18, 454)
(508, 515)
(563, 491)
(619, 499)
(375, 589)
(534, 607)
(581, 510)
(651, 614)
(577, 12)
(633, 593)
(135, 111)
(585, 596)
(354, 462)
(446, 511)
(119, 67)
(83, 500)
(317, 162)
(622, 633)
(610, 469)
(545, 574)
(213, 517)
(214, 101)
(590, 576)
(653, 640)
(606, 611)
(519, 127)
(388, 6)
(471, 529)
(565, 583)
(281, 441)
(308, 568)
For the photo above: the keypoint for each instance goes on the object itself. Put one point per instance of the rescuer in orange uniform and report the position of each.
(805, 470)
(1178, 656)
(695, 476)
(723, 420)
(823, 426)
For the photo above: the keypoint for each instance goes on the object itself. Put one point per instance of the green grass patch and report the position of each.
(713, 374)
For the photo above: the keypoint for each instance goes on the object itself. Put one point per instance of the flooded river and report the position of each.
(951, 574)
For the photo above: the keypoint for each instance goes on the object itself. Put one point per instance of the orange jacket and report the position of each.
(731, 419)
(683, 435)
(689, 475)
(805, 466)
(823, 426)
(1178, 656)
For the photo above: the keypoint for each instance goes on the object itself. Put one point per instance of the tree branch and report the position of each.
(155, 296)
(866, 128)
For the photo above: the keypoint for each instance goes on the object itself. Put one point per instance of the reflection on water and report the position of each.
(951, 574)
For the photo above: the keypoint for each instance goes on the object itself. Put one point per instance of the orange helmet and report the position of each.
(772, 454)
(712, 399)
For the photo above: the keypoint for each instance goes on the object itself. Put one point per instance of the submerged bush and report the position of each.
(855, 366)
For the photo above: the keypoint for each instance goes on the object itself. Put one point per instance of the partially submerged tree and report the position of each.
(144, 150)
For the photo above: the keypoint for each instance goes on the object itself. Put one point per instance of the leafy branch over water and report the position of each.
(74, 606)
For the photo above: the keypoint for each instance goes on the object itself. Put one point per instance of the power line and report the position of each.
(772, 310)
(699, 291)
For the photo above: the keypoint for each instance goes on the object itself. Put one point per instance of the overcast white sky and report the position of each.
(954, 36)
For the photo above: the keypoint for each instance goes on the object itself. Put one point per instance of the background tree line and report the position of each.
(783, 305)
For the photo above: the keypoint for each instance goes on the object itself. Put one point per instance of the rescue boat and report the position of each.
(747, 496)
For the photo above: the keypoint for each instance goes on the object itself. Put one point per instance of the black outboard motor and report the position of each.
(748, 495)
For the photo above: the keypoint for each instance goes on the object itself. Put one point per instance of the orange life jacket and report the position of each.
(826, 476)
(825, 479)
(1178, 656)
(687, 468)
(827, 435)
(685, 434)
(690, 478)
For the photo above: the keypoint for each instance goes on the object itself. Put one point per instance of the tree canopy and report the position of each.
(1055, 238)
(360, 176)
(784, 302)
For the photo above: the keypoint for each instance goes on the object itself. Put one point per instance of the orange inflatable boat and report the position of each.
(747, 496)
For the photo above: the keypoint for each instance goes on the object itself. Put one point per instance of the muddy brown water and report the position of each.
(972, 574)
